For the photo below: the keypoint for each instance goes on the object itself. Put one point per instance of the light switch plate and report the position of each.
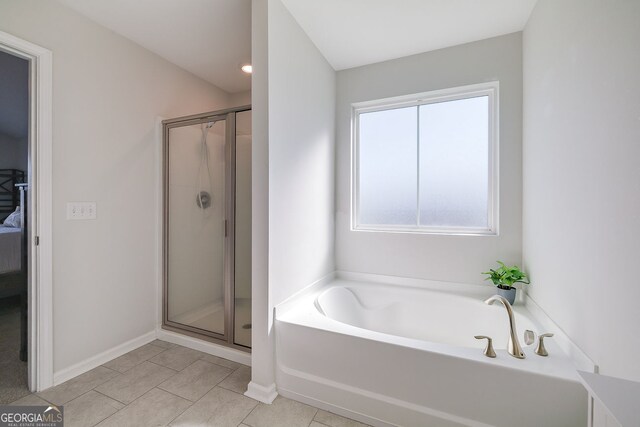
(81, 210)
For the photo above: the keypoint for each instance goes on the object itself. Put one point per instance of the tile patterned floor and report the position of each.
(163, 384)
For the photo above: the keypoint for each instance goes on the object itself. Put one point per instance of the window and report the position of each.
(427, 163)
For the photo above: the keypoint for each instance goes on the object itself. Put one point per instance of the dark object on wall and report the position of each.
(9, 193)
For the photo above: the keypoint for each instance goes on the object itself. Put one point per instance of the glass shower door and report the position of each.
(195, 228)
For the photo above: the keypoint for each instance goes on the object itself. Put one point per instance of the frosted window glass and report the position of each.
(388, 167)
(454, 163)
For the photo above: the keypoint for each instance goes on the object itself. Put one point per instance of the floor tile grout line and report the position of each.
(157, 364)
(77, 397)
(126, 405)
(108, 416)
(236, 392)
(159, 346)
(36, 394)
(250, 412)
(171, 376)
(117, 410)
(314, 415)
(137, 364)
(185, 409)
(177, 395)
(240, 365)
(218, 364)
(191, 403)
(174, 372)
(100, 366)
(130, 403)
(231, 371)
(112, 398)
(82, 394)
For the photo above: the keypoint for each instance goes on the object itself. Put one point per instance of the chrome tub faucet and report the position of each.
(513, 347)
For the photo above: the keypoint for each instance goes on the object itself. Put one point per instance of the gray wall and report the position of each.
(14, 112)
(581, 174)
(293, 95)
(107, 95)
(302, 96)
(14, 99)
(13, 152)
(423, 256)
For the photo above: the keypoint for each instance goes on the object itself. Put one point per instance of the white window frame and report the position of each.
(489, 89)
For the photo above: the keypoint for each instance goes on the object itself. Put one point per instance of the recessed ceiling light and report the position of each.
(247, 68)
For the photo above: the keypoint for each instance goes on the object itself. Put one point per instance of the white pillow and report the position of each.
(14, 219)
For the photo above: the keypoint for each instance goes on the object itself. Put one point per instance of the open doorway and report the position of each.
(14, 211)
(26, 256)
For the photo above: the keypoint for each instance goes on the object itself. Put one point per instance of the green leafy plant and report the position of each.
(505, 277)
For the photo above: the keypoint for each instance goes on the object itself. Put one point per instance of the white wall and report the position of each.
(423, 256)
(239, 99)
(262, 355)
(302, 95)
(294, 103)
(581, 174)
(107, 94)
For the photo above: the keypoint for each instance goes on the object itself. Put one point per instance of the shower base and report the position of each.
(210, 317)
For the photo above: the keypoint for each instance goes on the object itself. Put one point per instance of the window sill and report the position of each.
(429, 231)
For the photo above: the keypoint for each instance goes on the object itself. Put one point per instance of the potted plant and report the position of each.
(504, 278)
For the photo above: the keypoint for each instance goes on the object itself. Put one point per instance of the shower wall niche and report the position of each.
(207, 226)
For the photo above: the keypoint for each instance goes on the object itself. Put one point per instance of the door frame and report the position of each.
(40, 200)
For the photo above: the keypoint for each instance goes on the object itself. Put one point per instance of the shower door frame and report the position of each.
(229, 115)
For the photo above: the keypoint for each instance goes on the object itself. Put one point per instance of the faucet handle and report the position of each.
(540, 349)
(488, 351)
(529, 337)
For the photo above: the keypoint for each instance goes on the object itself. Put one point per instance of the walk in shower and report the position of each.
(207, 226)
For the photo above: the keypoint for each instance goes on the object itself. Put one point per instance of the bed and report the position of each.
(11, 274)
(11, 256)
(10, 249)
(12, 280)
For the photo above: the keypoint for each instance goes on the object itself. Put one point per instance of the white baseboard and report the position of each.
(93, 362)
(205, 346)
(260, 393)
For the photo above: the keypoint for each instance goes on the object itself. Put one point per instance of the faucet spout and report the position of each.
(513, 347)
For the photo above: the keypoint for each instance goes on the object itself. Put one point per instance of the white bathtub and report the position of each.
(402, 355)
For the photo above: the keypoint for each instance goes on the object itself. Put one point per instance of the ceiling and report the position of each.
(212, 38)
(351, 33)
(209, 38)
(14, 96)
